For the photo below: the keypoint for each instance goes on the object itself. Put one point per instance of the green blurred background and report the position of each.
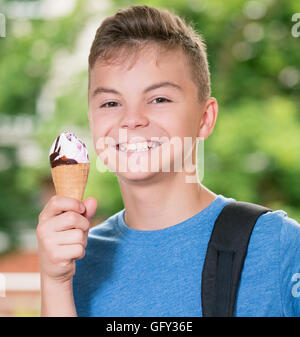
(253, 154)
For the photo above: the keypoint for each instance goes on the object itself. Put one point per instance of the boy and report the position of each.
(148, 76)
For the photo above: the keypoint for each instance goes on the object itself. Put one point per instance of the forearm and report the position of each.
(57, 299)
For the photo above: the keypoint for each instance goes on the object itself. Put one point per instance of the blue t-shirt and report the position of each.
(128, 272)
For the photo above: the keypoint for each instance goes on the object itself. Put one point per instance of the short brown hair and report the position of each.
(133, 28)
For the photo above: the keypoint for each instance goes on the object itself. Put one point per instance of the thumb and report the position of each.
(90, 208)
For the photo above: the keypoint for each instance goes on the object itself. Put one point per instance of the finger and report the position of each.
(69, 252)
(68, 220)
(71, 237)
(58, 204)
(90, 208)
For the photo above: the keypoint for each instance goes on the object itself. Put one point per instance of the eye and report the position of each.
(109, 105)
(161, 100)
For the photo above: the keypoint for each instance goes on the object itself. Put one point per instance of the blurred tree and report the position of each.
(33, 107)
(254, 151)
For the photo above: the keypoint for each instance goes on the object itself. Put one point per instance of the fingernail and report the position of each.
(82, 208)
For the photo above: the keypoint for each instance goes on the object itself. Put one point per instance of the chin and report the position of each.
(137, 177)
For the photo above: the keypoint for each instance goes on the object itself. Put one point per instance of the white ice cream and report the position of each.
(67, 145)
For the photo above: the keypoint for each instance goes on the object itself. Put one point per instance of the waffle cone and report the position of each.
(70, 180)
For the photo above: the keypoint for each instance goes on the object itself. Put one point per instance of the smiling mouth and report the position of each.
(138, 147)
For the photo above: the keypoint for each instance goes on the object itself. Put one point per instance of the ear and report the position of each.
(209, 118)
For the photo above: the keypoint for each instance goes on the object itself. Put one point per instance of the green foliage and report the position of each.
(252, 155)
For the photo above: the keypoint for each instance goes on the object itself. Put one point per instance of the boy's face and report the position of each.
(156, 97)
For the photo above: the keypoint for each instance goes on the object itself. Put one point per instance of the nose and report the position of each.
(133, 119)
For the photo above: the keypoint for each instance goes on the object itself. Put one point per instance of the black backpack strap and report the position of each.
(225, 257)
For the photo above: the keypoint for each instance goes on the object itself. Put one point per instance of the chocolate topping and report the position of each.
(61, 161)
(55, 157)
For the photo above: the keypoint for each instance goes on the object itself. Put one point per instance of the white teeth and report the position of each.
(136, 147)
(139, 146)
(122, 147)
(131, 147)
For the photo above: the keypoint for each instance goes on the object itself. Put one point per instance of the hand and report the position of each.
(62, 235)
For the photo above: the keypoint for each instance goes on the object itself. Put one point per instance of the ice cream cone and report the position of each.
(70, 180)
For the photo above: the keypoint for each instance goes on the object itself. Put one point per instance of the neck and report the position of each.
(162, 203)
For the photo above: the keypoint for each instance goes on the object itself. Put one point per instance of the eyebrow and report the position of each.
(100, 90)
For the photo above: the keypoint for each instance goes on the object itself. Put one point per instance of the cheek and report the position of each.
(189, 125)
(180, 128)
(99, 129)
(104, 131)
(180, 122)
(102, 123)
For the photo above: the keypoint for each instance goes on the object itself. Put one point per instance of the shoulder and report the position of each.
(277, 229)
(286, 251)
(273, 260)
(288, 255)
(289, 241)
(280, 224)
(276, 237)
